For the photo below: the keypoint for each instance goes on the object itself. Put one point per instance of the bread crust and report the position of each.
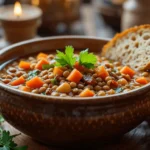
(121, 35)
(118, 37)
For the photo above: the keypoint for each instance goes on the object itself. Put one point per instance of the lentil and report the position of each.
(66, 74)
(100, 85)
(73, 84)
(110, 92)
(101, 93)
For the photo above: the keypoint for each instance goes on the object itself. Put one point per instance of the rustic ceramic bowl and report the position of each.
(65, 121)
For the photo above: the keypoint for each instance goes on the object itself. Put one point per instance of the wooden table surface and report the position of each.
(137, 139)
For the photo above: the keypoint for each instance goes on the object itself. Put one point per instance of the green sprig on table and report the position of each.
(6, 140)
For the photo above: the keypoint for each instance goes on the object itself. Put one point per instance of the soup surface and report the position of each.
(69, 74)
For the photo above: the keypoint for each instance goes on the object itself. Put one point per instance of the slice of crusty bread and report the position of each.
(131, 47)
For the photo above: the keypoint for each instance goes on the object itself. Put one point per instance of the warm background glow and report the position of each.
(17, 9)
(35, 2)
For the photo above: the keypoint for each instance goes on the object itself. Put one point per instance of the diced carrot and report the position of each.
(35, 82)
(142, 80)
(41, 63)
(58, 71)
(75, 76)
(25, 65)
(102, 72)
(25, 88)
(86, 93)
(79, 67)
(114, 84)
(127, 70)
(18, 81)
(42, 55)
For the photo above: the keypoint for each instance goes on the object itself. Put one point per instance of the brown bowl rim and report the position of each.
(71, 100)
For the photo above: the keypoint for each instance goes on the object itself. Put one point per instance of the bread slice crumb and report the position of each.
(131, 47)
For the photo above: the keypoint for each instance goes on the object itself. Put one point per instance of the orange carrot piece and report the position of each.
(86, 93)
(41, 56)
(114, 84)
(102, 72)
(25, 65)
(25, 89)
(18, 81)
(127, 70)
(58, 71)
(79, 67)
(35, 82)
(75, 76)
(142, 80)
(41, 63)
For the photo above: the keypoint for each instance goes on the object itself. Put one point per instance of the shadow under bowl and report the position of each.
(68, 121)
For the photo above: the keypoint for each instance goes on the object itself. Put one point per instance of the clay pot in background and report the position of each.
(135, 12)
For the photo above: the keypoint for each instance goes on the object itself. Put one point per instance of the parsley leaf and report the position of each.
(87, 59)
(32, 74)
(47, 66)
(7, 143)
(67, 58)
(118, 90)
(54, 81)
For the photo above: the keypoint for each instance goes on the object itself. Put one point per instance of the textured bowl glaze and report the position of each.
(65, 121)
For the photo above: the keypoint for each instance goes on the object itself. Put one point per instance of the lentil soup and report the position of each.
(68, 74)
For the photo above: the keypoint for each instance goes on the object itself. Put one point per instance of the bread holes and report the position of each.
(137, 45)
(146, 37)
(129, 52)
(141, 33)
(133, 38)
(126, 47)
(123, 54)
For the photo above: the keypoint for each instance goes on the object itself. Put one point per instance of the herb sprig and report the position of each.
(6, 140)
(32, 74)
(7, 143)
(85, 58)
(67, 58)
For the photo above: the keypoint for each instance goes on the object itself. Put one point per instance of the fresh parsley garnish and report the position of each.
(111, 61)
(118, 90)
(47, 66)
(113, 70)
(7, 143)
(54, 81)
(67, 58)
(32, 74)
(87, 59)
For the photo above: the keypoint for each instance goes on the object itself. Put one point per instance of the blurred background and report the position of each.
(102, 18)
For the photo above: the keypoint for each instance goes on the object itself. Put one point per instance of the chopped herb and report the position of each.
(32, 74)
(47, 66)
(113, 70)
(7, 143)
(44, 93)
(118, 90)
(67, 58)
(87, 59)
(111, 61)
(54, 81)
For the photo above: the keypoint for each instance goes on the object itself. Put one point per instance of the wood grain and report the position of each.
(137, 139)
